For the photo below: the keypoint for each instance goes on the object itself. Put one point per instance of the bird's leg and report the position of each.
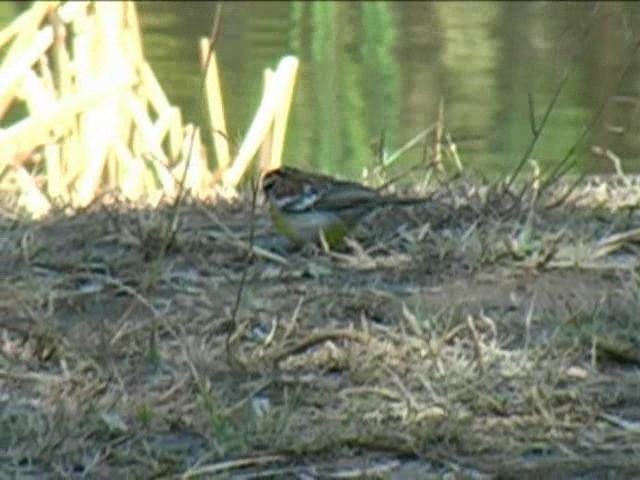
(323, 242)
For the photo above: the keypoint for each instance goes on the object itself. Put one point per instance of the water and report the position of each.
(372, 67)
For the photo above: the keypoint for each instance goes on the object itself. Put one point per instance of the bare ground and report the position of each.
(475, 336)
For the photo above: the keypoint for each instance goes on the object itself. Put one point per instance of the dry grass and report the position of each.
(476, 334)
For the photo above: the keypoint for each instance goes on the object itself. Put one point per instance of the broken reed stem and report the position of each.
(280, 121)
(215, 106)
(99, 131)
(267, 143)
(272, 99)
(23, 31)
(83, 119)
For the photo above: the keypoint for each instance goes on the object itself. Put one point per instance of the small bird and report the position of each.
(304, 204)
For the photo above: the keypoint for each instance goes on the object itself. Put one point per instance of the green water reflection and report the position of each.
(376, 66)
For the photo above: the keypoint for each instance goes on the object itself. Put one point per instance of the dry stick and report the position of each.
(381, 146)
(563, 198)
(477, 347)
(532, 114)
(564, 165)
(319, 337)
(169, 240)
(228, 465)
(425, 149)
(537, 130)
(245, 271)
(439, 129)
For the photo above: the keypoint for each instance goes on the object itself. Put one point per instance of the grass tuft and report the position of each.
(478, 329)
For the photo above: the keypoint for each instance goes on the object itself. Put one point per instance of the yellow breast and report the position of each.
(305, 227)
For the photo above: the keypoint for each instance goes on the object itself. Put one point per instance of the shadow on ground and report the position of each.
(476, 334)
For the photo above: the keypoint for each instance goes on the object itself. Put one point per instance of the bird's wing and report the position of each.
(345, 195)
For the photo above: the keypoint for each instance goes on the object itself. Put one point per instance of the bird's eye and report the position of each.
(267, 182)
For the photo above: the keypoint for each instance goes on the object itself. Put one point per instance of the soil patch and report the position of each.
(476, 334)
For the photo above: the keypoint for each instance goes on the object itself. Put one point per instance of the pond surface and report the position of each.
(368, 68)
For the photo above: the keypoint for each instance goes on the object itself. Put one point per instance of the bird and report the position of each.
(305, 206)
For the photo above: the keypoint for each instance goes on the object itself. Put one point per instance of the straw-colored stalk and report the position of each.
(275, 99)
(215, 107)
(99, 117)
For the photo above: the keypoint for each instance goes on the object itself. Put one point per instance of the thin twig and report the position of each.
(245, 271)
(319, 337)
(538, 129)
(532, 115)
(565, 164)
(439, 131)
(175, 208)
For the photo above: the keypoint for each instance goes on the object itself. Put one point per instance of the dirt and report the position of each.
(453, 338)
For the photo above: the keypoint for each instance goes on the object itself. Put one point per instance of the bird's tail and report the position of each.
(405, 201)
